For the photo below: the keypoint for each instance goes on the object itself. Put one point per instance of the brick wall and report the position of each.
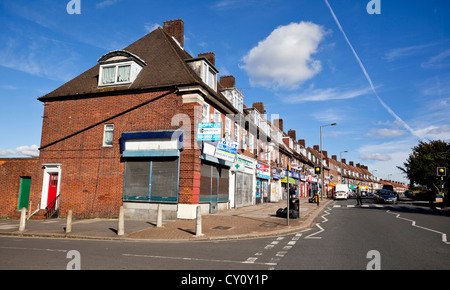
(11, 170)
(92, 176)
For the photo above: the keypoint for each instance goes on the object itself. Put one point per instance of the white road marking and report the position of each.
(413, 223)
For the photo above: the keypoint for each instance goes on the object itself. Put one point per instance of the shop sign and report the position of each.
(242, 162)
(209, 132)
(276, 174)
(261, 174)
(226, 150)
(263, 167)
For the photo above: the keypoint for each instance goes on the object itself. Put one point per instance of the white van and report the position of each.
(341, 191)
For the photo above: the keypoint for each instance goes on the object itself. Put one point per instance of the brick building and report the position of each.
(125, 133)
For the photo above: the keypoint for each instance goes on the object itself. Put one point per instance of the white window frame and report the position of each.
(217, 116)
(205, 117)
(108, 130)
(116, 70)
(227, 128)
(236, 133)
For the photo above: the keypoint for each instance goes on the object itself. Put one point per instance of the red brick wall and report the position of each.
(11, 170)
(92, 176)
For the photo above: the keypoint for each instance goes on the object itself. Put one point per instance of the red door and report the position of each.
(52, 189)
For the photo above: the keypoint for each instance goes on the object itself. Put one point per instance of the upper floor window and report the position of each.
(205, 70)
(115, 74)
(119, 67)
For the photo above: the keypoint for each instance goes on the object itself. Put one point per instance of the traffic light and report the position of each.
(441, 171)
(317, 170)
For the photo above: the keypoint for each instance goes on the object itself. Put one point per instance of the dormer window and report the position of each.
(205, 70)
(119, 67)
(115, 74)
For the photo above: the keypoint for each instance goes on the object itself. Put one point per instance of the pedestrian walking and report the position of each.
(358, 196)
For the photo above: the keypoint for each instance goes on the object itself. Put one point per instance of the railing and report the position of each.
(52, 208)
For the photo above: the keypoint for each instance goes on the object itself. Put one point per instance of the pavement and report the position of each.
(248, 222)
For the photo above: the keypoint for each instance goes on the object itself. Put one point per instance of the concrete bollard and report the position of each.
(198, 223)
(23, 218)
(159, 216)
(69, 222)
(121, 226)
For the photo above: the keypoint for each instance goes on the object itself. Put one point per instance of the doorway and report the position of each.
(24, 192)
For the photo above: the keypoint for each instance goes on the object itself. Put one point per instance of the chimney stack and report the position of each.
(334, 157)
(317, 148)
(302, 143)
(279, 124)
(292, 134)
(227, 82)
(210, 56)
(260, 107)
(175, 28)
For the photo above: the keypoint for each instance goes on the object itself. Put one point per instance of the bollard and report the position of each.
(23, 217)
(198, 223)
(69, 222)
(121, 226)
(159, 216)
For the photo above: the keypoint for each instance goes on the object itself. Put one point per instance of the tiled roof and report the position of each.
(165, 67)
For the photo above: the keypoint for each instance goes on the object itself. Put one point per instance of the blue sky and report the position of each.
(386, 83)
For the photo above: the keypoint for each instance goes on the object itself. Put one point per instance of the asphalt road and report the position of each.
(345, 237)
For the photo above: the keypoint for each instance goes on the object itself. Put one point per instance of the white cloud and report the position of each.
(106, 3)
(32, 150)
(385, 133)
(376, 156)
(397, 53)
(6, 152)
(319, 95)
(149, 27)
(284, 58)
(435, 132)
(439, 61)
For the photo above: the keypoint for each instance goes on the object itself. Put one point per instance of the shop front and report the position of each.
(242, 181)
(262, 183)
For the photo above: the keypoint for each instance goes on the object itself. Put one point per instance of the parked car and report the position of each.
(385, 196)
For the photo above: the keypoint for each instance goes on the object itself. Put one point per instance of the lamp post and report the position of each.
(340, 160)
(321, 157)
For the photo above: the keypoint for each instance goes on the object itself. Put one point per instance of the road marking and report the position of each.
(33, 249)
(337, 205)
(248, 261)
(313, 234)
(413, 223)
(8, 227)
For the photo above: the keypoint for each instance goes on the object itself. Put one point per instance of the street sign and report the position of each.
(209, 132)
(226, 150)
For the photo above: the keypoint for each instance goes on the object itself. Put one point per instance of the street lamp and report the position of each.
(340, 160)
(321, 161)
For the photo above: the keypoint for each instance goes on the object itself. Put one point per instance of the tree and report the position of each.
(421, 166)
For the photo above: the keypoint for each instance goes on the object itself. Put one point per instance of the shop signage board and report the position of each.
(209, 132)
(226, 150)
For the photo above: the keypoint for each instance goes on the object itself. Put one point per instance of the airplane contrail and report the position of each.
(391, 112)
